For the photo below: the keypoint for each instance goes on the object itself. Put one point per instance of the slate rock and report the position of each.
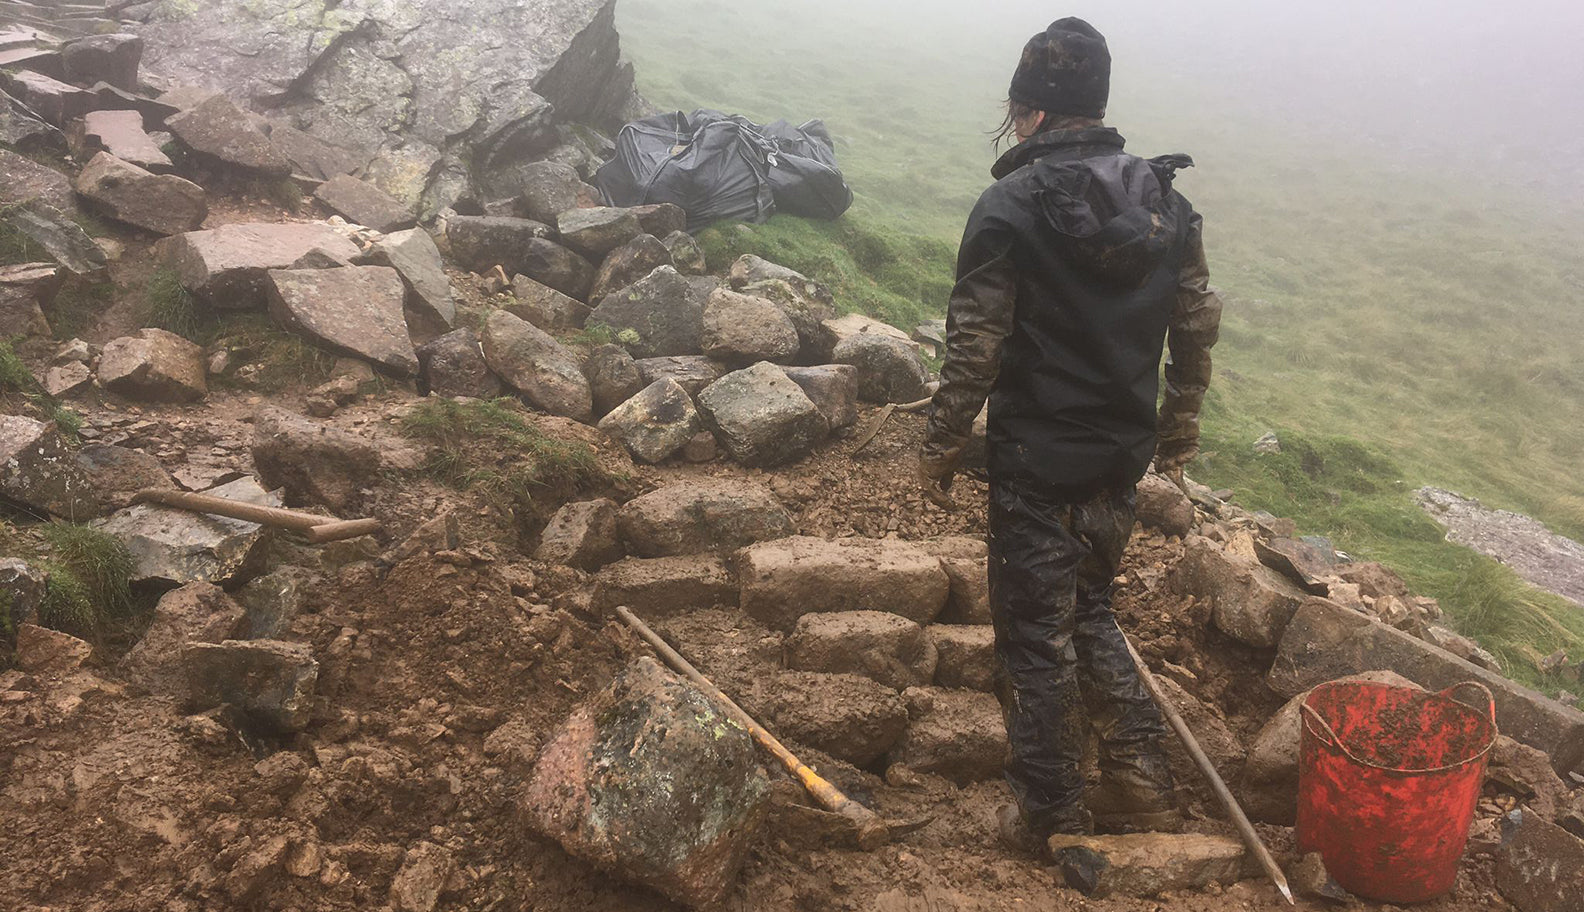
(546, 308)
(1248, 601)
(762, 418)
(596, 231)
(312, 157)
(1298, 560)
(650, 782)
(454, 365)
(548, 189)
(613, 377)
(665, 309)
(116, 473)
(743, 329)
(702, 516)
(889, 370)
(227, 267)
(56, 102)
(694, 372)
(198, 612)
(356, 310)
(24, 289)
(661, 219)
(271, 682)
(313, 463)
(966, 655)
(482, 242)
(785, 579)
(160, 203)
(38, 472)
(530, 361)
(584, 535)
(154, 366)
(180, 547)
(22, 129)
(363, 203)
(955, 734)
(879, 645)
(847, 716)
(833, 388)
(627, 264)
(1146, 864)
(666, 586)
(223, 133)
(686, 254)
(121, 134)
(655, 423)
(104, 58)
(414, 256)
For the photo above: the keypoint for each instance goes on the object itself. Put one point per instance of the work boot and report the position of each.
(1128, 802)
(1014, 831)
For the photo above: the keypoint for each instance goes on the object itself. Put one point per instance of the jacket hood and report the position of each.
(1112, 214)
(1066, 143)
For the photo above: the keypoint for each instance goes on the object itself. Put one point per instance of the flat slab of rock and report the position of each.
(650, 782)
(1248, 601)
(665, 309)
(55, 101)
(879, 645)
(666, 586)
(220, 131)
(762, 418)
(955, 734)
(584, 535)
(180, 547)
(363, 203)
(656, 423)
(1146, 864)
(271, 682)
(546, 308)
(702, 516)
(121, 134)
(228, 266)
(596, 231)
(532, 362)
(24, 180)
(23, 130)
(38, 472)
(454, 365)
(1326, 641)
(414, 256)
(311, 156)
(786, 579)
(848, 716)
(160, 203)
(1303, 563)
(355, 310)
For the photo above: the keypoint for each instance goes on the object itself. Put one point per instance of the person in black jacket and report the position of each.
(1078, 266)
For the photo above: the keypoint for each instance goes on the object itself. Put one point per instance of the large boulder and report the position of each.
(313, 462)
(546, 308)
(741, 329)
(228, 266)
(412, 81)
(966, 655)
(761, 417)
(694, 372)
(697, 516)
(38, 472)
(847, 716)
(665, 309)
(613, 377)
(596, 231)
(536, 365)
(652, 782)
(627, 264)
(1248, 601)
(270, 682)
(807, 313)
(889, 370)
(833, 388)
(363, 203)
(172, 546)
(55, 101)
(655, 423)
(195, 613)
(355, 310)
(482, 242)
(221, 133)
(110, 58)
(414, 256)
(879, 645)
(956, 734)
(786, 579)
(22, 129)
(454, 365)
(154, 365)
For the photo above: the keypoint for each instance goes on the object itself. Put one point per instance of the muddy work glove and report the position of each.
(936, 471)
(1172, 455)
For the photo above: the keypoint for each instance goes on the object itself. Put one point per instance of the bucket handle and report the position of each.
(1327, 734)
(1490, 700)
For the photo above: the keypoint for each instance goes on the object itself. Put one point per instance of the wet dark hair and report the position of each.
(1007, 131)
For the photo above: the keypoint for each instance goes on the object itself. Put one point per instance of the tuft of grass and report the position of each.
(595, 334)
(17, 248)
(492, 446)
(283, 360)
(89, 576)
(77, 307)
(173, 308)
(16, 378)
(283, 192)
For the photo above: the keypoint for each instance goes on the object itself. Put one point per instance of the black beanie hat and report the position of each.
(1065, 69)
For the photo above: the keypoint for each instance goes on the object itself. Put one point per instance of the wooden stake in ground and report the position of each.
(872, 831)
(1217, 784)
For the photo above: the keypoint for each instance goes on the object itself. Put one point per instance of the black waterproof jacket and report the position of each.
(1075, 268)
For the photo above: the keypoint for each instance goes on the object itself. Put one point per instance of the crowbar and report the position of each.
(318, 529)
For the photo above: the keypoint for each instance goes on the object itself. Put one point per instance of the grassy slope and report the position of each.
(1396, 325)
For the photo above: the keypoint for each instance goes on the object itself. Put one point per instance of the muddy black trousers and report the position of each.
(1062, 666)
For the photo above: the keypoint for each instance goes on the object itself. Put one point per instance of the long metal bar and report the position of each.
(872, 831)
(1217, 784)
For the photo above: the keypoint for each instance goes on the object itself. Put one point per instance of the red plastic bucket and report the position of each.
(1388, 780)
